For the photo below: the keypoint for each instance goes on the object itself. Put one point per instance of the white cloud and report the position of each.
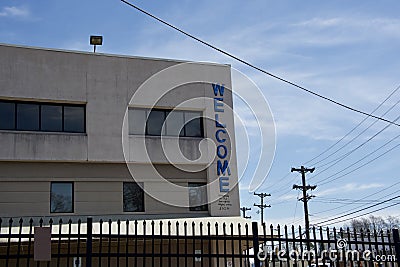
(348, 29)
(350, 187)
(13, 11)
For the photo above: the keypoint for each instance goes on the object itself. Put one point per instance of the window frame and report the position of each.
(72, 197)
(41, 104)
(14, 114)
(201, 208)
(166, 111)
(140, 185)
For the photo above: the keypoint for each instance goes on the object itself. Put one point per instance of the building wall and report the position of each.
(95, 160)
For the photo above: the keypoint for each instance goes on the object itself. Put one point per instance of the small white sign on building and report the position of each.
(197, 259)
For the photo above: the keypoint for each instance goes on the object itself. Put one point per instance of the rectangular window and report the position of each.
(155, 122)
(137, 121)
(74, 119)
(7, 115)
(133, 197)
(193, 125)
(175, 123)
(165, 122)
(62, 197)
(198, 197)
(46, 117)
(27, 117)
(51, 118)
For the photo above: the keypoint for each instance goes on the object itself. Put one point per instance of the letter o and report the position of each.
(225, 153)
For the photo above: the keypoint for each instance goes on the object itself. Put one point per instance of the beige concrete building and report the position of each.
(85, 134)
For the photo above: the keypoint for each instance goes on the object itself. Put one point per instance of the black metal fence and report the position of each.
(190, 243)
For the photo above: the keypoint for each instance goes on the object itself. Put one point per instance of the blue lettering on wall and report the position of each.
(218, 104)
(218, 88)
(217, 123)
(222, 168)
(224, 184)
(217, 136)
(222, 150)
(224, 153)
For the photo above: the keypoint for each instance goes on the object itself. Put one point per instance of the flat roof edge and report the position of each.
(113, 55)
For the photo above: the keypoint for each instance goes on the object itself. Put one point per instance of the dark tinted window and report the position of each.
(51, 118)
(155, 122)
(74, 119)
(133, 197)
(61, 197)
(197, 197)
(7, 116)
(166, 122)
(27, 116)
(193, 125)
(30, 116)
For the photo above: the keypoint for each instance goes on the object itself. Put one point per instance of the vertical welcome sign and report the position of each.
(223, 170)
(224, 167)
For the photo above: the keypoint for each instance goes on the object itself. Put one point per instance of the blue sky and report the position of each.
(346, 50)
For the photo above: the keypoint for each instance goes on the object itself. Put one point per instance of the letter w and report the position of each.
(218, 88)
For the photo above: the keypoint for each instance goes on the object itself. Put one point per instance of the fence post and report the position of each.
(396, 240)
(254, 226)
(89, 239)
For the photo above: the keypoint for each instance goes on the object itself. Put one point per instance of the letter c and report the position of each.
(218, 137)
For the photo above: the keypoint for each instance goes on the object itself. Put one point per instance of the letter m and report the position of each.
(218, 88)
(222, 168)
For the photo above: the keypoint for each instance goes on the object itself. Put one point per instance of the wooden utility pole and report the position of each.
(305, 198)
(262, 206)
(244, 209)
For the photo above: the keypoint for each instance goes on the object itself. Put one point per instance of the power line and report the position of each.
(283, 186)
(342, 157)
(352, 130)
(359, 167)
(350, 213)
(395, 204)
(255, 67)
(375, 193)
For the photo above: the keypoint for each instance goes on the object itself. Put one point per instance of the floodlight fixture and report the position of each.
(96, 40)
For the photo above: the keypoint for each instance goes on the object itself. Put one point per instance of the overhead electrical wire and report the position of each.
(255, 67)
(359, 124)
(370, 212)
(342, 157)
(359, 167)
(370, 195)
(361, 159)
(351, 131)
(282, 186)
(359, 210)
